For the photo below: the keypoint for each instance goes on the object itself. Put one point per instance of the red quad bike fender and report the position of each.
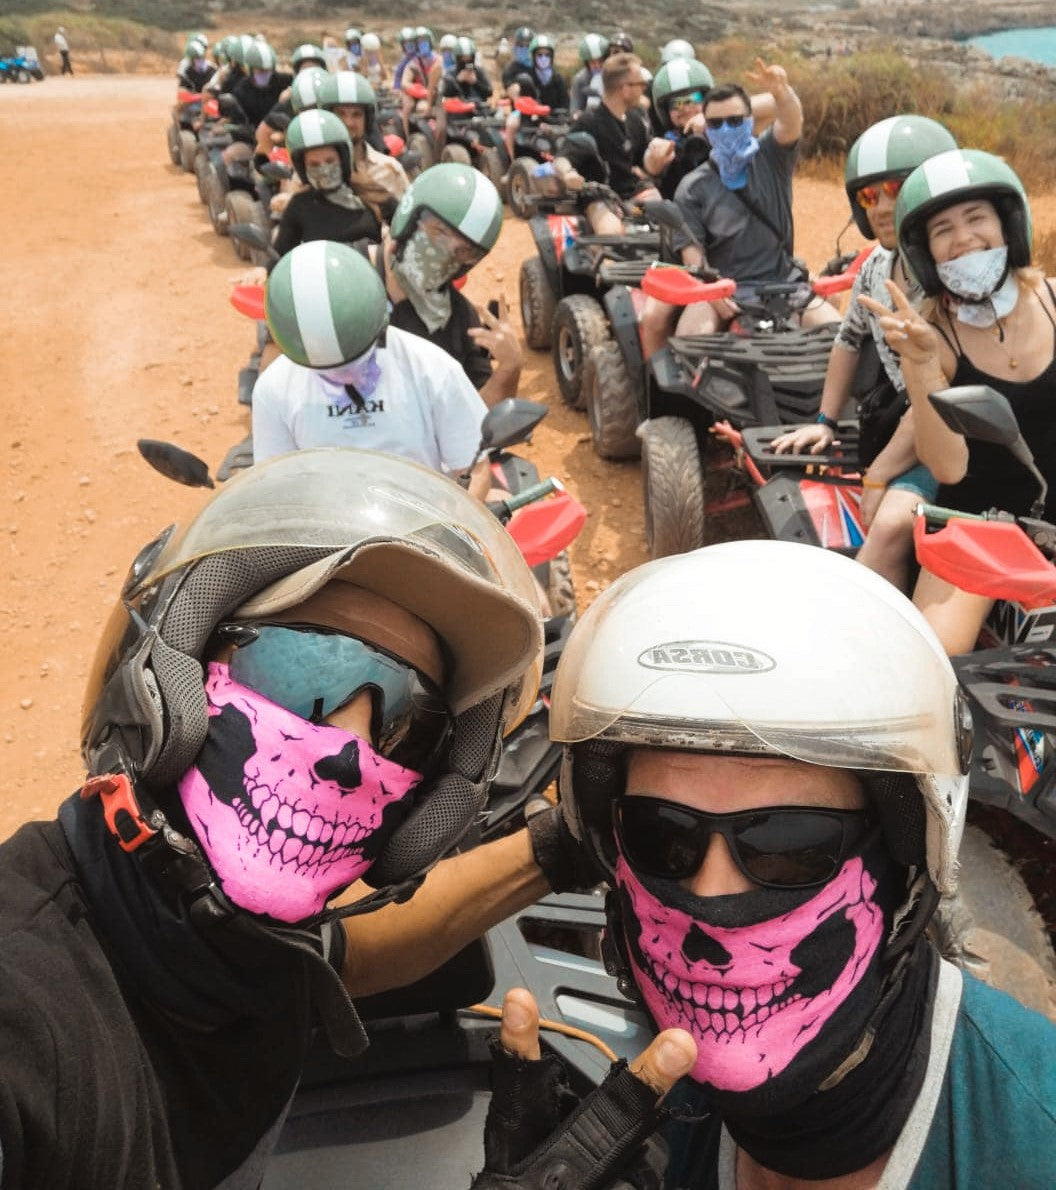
(395, 144)
(459, 107)
(185, 97)
(991, 558)
(542, 530)
(249, 300)
(531, 107)
(564, 230)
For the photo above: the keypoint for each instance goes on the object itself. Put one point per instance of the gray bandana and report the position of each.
(328, 181)
(423, 269)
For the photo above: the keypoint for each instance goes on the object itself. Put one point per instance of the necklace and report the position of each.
(1006, 341)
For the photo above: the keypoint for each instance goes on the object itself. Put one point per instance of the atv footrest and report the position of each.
(757, 442)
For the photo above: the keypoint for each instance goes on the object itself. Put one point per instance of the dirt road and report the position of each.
(117, 327)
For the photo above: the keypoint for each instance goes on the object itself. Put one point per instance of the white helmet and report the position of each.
(763, 647)
(678, 48)
(371, 43)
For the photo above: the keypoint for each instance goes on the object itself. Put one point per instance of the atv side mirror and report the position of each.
(175, 463)
(275, 171)
(254, 236)
(979, 411)
(509, 422)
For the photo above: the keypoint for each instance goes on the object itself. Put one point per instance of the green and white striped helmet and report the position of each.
(260, 56)
(195, 48)
(347, 86)
(238, 46)
(325, 304)
(305, 88)
(593, 48)
(312, 130)
(460, 195)
(541, 41)
(465, 50)
(948, 179)
(680, 76)
(893, 148)
(307, 53)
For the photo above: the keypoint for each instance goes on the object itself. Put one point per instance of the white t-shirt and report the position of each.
(61, 43)
(424, 408)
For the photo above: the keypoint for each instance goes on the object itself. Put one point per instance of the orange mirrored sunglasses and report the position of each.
(869, 196)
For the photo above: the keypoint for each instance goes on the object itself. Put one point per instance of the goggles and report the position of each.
(313, 671)
(694, 98)
(785, 847)
(868, 196)
(716, 122)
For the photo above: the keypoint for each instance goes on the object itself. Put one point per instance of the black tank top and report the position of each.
(994, 478)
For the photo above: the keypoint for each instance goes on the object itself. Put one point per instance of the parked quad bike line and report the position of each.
(118, 328)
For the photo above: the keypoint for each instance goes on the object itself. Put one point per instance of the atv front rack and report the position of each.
(843, 459)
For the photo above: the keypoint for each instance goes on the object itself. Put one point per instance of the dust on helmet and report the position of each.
(349, 86)
(305, 88)
(954, 177)
(307, 53)
(371, 43)
(324, 302)
(266, 541)
(260, 56)
(692, 652)
(459, 195)
(621, 43)
(313, 129)
(678, 47)
(593, 48)
(465, 52)
(680, 76)
(892, 148)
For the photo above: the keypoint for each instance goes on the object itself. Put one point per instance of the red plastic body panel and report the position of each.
(531, 107)
(459, 107)
(542, 530)
(249, 300)
(679, 288)
(835, 513)
(992, 558)
(183, 96)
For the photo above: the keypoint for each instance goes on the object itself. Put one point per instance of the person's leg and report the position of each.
(888, 547)
(658, 322)
(700, 318)
(603, 220)
(817, 313)
(955, 616)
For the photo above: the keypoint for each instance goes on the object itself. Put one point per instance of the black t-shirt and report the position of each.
(479, 91)
(255, 101)
(621, 143)
(554, 93)
(311, 216)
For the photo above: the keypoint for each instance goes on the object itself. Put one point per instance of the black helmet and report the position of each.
(621, 42)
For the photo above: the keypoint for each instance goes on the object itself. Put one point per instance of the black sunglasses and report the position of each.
(716, 122)
(784, 847)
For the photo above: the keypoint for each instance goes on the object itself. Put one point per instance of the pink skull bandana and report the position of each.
(752, 996)
(287, 812)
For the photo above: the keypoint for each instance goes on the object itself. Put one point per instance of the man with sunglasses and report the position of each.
(776, 841)
(293, 714)
(738, 205)
(862, 366)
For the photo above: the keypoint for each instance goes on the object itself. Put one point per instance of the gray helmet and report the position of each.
(893, 148)
(312, 130)
(680, 76)
(265, 542)
(954, 177)
(325, 303)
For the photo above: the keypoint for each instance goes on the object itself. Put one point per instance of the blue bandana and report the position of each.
(731, 150)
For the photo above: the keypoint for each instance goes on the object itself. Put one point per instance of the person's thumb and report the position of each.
(671, 1055)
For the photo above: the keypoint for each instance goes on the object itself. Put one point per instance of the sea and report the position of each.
(1039, 45)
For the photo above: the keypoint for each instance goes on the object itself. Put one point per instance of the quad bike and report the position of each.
(21, 67)
(763, 370)
(182, 136)
(471, 134)
(535, 143)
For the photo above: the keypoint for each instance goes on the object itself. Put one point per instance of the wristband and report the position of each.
(829, 423)
(872, 483)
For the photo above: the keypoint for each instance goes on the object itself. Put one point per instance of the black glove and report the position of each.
(539, 1136)
(563, 862)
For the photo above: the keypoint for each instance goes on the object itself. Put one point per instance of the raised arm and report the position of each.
(787, 110)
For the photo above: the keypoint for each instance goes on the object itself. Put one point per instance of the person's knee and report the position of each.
(700, 318)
